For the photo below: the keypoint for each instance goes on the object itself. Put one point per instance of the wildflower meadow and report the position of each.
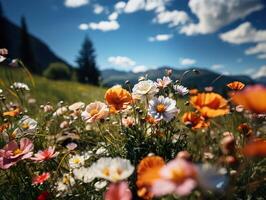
(155, 139)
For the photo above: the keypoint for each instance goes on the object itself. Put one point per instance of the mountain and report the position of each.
(191, 78)
(42, 53)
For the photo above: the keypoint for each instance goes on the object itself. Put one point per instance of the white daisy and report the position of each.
(26, 125)
(84, 174)
(181, 90)
(76, 161)
(100, 185)
(112, 169)
(162, 108)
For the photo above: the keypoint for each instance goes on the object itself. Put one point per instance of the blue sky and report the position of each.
(225, 36)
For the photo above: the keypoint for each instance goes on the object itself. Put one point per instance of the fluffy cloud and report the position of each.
(261, 72)
(121, 61)
(75, 3)
(98, 9)
(119, 6)
(213, 15)
(259, 48)
(187, 61)
(104, 26)
(113, 16)
(160, 37)
(139, 68)
(217, 66)
(244, 33)
(134, 5)
(83, 27)
(173, 18)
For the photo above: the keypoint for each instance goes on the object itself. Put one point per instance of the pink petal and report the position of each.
(163, 187)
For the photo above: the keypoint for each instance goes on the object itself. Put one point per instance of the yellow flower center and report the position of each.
(66, 180)
(17, 151)
(177, 175)
(25, 126)
(76, 161)
(94, 112)
(160, 108)
(106, 171)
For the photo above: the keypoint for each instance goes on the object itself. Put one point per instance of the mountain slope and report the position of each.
(42, 53)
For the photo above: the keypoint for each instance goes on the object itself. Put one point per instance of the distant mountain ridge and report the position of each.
(42, 53)
(203, 78)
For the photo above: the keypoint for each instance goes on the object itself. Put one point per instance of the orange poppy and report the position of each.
(193, 91)
(236, 85)
(148, 172)
(117, 98)
(252, 98)
(151, 120)
(12, 113)
(194, 120)
(257, 148)
(210, 104)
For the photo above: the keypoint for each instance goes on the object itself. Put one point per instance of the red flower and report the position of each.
(43, 196)
(40, 179)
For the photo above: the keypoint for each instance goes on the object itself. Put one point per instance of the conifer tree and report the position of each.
(87, 72)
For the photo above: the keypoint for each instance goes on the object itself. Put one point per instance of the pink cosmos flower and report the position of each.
(163, 83)
(118, 191)
(46, 154)
(40, 179)
(12, 152)
(178, 177)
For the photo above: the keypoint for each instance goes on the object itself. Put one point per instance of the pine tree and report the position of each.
(3, 30)
(87, 72)
(26, 52)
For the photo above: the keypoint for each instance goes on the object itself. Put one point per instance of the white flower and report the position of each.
(21, 86)
(100, 185)
(1, 91)
(84, 174)
(101, 150)
(163, 83)
(95, 111)
(181, 90)
(76, 106)
(112, 169)
(144, 89)
(26, 125)
(2, 58)
(162, 108)
(76, 161)
(65, 183)
(60, 111)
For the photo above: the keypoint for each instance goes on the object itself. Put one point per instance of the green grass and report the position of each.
(44, 90)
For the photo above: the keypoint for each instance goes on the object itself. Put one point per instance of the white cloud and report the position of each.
(187, 61)
(158, 5)
(121, 61)
(262, 56)
(104, 26)
(119, 6)
(83, 27)
(134, 5)
(260, 72)
(217, 66)
(213, 15)
(160, 37)
(173, 18)
(249, 71)
(244, 33)
(139, 68)
(98, 9)
(259, 48)
(113, 16)
(75, 3)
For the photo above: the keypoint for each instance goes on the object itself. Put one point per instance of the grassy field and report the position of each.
(44, 90)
